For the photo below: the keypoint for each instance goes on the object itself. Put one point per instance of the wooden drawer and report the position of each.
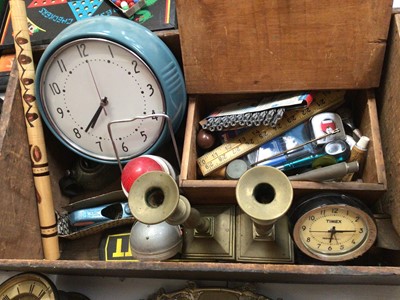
(201, 189)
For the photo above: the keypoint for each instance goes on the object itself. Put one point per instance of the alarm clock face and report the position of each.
(334, 228)
(88, 83)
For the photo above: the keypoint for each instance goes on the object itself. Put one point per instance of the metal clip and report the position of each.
(160, 115)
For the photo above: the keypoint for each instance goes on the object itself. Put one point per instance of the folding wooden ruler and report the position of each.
(256, 136)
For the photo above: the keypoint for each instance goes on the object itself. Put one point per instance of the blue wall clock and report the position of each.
(106, 69)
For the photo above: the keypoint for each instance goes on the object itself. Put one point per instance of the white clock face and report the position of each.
(88, 83)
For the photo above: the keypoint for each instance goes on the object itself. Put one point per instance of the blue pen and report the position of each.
(282, 159)
(302, 162)
(338, 149)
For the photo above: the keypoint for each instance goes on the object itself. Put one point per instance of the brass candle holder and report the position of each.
(264, 195)
(209, 231)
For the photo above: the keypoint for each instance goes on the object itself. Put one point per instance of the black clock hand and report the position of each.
(94, 119)
(340, 231)
(332, 231)
(96, 115)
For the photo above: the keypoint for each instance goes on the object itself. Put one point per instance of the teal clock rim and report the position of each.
(143, 42)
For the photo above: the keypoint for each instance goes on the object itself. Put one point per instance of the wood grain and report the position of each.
(19, 223)
(249, 272)
(258, 46)
(389, 110)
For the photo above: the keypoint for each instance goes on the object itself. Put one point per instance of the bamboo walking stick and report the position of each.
(37, 147)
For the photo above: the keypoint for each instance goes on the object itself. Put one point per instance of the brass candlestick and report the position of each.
(264, 195)
(208, 231)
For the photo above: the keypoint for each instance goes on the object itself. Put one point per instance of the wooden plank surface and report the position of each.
(19, 223)
(389, 110)
(253, 46)
(215, 271)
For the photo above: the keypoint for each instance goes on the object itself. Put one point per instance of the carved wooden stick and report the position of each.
(37, 147)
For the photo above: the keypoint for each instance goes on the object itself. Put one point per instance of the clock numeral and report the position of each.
(109, 48)
(311, 218)
(357, 218)
(135, 66)
(143, 134)
(31, 288)
(41, 294)
(151, 89)
(154, 118)
(6, 298)
(124, 147)
(330, 248)
(335, 210)
(82, 50)
(60, 111)
(361, 230)
(77, 133)
(99, 143)
(55, 89)
(303, 227)
(61, 65)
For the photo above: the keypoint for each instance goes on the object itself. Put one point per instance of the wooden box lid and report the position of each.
(264, 46)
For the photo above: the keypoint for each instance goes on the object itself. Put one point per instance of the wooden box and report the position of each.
(20, 245)
(258, 47)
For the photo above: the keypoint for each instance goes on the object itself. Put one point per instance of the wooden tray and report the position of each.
(200, 190)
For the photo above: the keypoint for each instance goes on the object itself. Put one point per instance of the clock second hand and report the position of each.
(95, 85)
(103, 101)
(94, 80)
